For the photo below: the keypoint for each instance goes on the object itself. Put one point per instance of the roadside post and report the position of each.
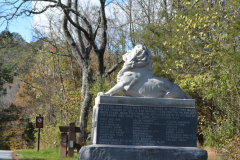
(39, 124)
(68, 140)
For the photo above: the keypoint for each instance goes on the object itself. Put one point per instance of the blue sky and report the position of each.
(21, 25)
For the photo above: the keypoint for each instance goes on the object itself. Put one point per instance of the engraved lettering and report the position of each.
(140, 125)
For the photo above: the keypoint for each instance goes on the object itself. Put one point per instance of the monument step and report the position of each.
(125, 152)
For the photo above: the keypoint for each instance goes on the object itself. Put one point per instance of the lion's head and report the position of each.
(139, 55)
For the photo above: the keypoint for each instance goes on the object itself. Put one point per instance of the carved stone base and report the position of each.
(123, 152)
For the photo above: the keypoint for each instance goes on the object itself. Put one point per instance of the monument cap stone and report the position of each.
(146, 101)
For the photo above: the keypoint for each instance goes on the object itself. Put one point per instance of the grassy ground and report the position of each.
(54, 154)
(43, 154)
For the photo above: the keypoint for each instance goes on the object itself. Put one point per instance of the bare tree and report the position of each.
(82, 40)
(141, 13)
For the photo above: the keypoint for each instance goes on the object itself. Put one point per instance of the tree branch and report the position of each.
(27, 83)
(112, 69)
(60, 54)
(86, 34)
(97, 26)
(104, 25)
(70, 40)
(45, 9)
(78, 32)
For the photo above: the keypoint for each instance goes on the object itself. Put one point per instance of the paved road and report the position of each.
(5, 155)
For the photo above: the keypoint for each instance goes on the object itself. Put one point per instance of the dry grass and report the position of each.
(212, 154)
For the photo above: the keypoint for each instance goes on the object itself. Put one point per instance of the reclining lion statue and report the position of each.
(136, 78)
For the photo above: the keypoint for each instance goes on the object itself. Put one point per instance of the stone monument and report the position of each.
(136, 78)
(155, 119)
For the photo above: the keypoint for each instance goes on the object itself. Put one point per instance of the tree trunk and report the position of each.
(100, 63)
(83, 62)
(87, 97)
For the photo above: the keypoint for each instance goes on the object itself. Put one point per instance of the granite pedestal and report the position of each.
(132, 128)
(122, 152)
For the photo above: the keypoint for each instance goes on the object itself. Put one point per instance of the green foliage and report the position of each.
(12, 126)
(50, 136)
(51, 88)
(104, 85)
(14, 50)
(13, 53)
(219, 136)
(223, 136)
(6, 74)
(28, 135)
(7, 69)
(210, 45)
(15, 56)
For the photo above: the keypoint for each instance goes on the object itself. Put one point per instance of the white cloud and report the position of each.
(41, 21)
